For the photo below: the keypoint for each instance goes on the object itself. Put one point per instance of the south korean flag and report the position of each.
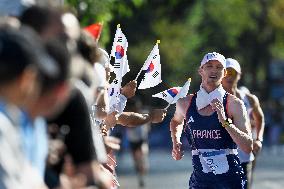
(152, 67)
(119, 49)
(168, 95)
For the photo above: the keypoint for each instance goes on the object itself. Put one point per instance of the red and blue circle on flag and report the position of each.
(119, 52)
(150, 68)
(173, 92)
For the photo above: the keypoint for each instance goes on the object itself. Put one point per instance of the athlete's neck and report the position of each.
(209, 88)
(232, 90)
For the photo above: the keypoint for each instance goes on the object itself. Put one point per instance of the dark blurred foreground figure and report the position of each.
(72, 154)
(213, 136)
(22, 60)
(46, 21)
(52, 98)
(254, 113)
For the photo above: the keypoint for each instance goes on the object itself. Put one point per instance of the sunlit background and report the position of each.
(250, 31)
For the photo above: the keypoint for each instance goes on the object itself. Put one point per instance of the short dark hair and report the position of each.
(39, 17)
(20, 49)
(16, 52)
(59, 52)
(88, 48)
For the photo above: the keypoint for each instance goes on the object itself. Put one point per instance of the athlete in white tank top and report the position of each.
(254, 112)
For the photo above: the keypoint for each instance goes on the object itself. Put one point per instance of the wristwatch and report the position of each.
(227, 122)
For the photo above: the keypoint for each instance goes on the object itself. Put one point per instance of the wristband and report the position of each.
(227, 122)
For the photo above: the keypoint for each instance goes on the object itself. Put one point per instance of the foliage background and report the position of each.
(249, 31)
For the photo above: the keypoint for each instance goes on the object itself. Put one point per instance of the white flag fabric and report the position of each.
(168, 95)
(125, 67)
(119, 49)
(114, 92)
(183, 92)
(173, 94)
(152, 66)
(98, 141)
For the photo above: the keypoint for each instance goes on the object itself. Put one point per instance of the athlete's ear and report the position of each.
(238, 76)
(225, 73)
(200, 71)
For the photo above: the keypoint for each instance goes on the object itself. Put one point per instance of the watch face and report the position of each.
(230, 121)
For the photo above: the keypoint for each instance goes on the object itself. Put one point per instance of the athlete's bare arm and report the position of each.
(240, 131)
(176, 126)
(257, 115)
(258, 121)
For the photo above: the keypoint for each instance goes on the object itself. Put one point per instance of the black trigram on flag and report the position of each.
(115, 81)
(155, 74)
(116, 65)
(164, 94)
(119, 39)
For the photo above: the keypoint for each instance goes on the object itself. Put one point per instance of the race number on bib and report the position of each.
(215, 161)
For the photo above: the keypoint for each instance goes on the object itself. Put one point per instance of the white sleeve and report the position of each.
(122, 103)
(99, 76)
(120, 106)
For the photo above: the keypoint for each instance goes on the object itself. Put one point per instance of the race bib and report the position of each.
(215, 161)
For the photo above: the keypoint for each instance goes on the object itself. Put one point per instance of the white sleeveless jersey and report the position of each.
(245, 157)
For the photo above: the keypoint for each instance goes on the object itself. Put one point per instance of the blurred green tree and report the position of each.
(249, 31)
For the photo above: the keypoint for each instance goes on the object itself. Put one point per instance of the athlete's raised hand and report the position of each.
(219, 108)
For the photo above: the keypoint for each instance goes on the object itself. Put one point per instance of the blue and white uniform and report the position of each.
(214, 153)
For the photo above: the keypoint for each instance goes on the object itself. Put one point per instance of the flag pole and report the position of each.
(158, 41)
(102, 24)
(168, 106)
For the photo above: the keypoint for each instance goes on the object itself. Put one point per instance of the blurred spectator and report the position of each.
(138, 141)
(21, 58)
(72, 125)
(52, 98)
(46, 21)
(14, 7)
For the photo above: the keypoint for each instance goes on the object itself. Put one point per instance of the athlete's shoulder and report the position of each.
(235, 106)
(185, 99)
(183, 104)
(253, 100)
(234, 100)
